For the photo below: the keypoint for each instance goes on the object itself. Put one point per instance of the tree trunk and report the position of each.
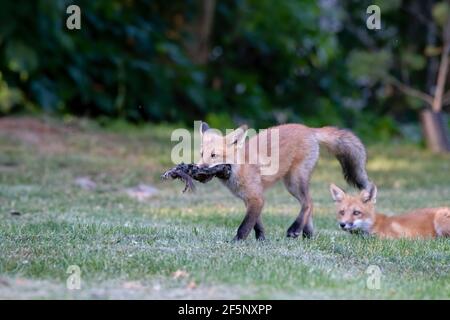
(442, 76)
(433, 121)
(201, 31)
(435, 130)
(433, 62)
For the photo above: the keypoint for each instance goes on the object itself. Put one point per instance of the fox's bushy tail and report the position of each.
(350, 152)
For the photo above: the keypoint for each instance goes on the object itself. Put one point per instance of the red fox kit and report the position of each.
(357, 213)
(297, 150)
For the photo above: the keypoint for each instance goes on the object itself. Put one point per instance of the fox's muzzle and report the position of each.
(346, 226)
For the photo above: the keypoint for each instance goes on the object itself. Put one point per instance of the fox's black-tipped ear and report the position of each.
(370, 194)
(203, 127)
(238, 136)
(336, 193)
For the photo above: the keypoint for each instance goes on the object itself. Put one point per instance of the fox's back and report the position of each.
(424, 222)
(295, 142)
(291, 133)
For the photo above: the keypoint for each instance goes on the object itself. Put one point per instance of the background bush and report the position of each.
(268, 61)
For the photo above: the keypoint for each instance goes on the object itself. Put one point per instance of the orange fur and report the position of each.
(358, 213)
(298, 151)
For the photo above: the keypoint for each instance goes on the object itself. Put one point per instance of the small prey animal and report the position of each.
(187, 172)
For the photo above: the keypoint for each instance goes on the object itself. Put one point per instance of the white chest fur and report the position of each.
(245, 182)
(233, 183)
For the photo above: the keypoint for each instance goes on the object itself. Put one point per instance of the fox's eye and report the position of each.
(213, 155)
(341, 212)
(356, 213)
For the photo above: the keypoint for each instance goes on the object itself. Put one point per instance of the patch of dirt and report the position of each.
(39, 133)
(48, 137)
(142, 192)
(85, 183)
(52, 137)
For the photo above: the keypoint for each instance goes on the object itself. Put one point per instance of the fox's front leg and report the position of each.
(259, 230)
(252, 219)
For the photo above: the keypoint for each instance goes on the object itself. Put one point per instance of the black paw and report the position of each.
(237, 239)
(307, 234)
(260, 237)
(293, 234)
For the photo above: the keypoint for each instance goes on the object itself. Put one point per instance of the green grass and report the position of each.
(130, 249)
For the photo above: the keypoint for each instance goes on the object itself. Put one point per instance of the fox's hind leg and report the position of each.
(297, 183)
(303, 222)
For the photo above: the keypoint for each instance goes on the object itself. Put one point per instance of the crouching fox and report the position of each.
(357, 213)
(297, 149)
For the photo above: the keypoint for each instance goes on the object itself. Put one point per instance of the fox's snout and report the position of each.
(346, 225)
(206, 165)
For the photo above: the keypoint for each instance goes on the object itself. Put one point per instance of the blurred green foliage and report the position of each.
(268, 62)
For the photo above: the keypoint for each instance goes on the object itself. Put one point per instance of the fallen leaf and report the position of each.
(191, 285)
(21, 282)
(179, 274)
(132, 285)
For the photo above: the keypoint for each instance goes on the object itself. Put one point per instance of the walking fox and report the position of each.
(357, 213)
(298, 151)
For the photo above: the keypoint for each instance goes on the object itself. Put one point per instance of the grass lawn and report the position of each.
(175, 245)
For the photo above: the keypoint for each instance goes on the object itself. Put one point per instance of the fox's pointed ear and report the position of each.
(370, 194)
(238, 136)
(336, 193)
(203, 127)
